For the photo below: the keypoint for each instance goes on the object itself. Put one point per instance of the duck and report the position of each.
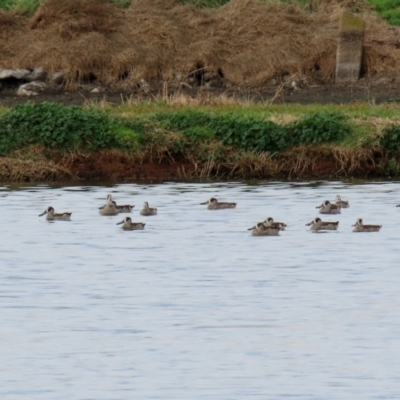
(328, 208)
(109, 208)
(261, 230)
(126, 208)
(52, 216)
(360, 227)
(341, 203)
(148, 210)
(214, 204)
(128, 225)
(270, 223)
(318, 225)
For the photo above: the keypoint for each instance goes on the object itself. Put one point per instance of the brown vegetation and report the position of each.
(156, 164)
(245, 43)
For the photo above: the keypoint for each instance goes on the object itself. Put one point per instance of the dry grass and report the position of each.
(303, 162)
(19, 170)
(246, 42)
(156, 162)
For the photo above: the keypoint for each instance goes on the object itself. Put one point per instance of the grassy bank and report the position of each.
(222, 140)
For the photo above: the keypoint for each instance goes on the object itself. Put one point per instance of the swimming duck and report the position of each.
(120, 208)
(318, 225)
(360, 227)
(128, 225)
(269, 223)
(148, 210)
(341, 203)
(261, 230)
(328, 208)
(214, 204)
(52, 216)
(110, 208)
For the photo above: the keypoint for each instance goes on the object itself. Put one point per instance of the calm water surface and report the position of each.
(193, 307)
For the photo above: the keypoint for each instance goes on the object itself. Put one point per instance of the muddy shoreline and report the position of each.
(298, 164)
(379, 91)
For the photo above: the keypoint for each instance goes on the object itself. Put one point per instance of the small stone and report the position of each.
(13, 73)
(58, 78)
(208, 76)
(31, 89)
(144, 85)
(95, 90)
(178, 77)
(38, 74)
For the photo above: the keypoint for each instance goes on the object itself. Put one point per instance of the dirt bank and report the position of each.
(303, 162)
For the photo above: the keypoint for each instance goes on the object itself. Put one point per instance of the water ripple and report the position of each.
(194, 307)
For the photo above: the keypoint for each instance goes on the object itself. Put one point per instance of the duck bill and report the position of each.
(120, 222)
(250, 229)
(206, 202)
(319, 206)
(310, 223)
(44, 212)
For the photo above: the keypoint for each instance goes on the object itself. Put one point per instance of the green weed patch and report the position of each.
(60, 128)
(57, 127)
(320, 127)
(390, 139)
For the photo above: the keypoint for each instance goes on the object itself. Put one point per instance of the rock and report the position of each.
(13, 73)
(58, 78)
(178, 77)
(208, 76)
(38, 74)
(144, 85)
(31, 89)
(96, 90)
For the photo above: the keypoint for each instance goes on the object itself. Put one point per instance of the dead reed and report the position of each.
(245, 42)
(157, 161)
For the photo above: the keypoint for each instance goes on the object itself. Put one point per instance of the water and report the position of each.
(193, 307)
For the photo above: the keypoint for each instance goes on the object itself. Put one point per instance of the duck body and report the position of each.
(214, 204)
(111, 207)
(123, 208)
(360, 227)
(108, 209)
(128, 225)
(53, 216)
(261, 230)
(341, 203)
(318, 225)
(328, 208)
(146, 211)
(270, 223)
